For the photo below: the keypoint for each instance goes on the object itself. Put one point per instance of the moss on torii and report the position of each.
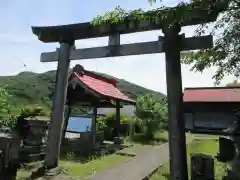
(162, 15)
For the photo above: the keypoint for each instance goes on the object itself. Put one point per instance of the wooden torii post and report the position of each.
(172, 44)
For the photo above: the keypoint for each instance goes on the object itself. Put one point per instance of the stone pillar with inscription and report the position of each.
(202, 167)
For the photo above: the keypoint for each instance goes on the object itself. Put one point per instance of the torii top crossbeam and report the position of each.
(193, 14)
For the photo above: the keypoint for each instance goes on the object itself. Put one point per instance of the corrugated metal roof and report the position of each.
(215, 94)
(100, 84)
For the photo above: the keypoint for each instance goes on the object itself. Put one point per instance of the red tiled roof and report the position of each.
(101, 85)
(215, 94)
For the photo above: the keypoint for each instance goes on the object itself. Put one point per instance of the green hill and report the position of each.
(28, 88)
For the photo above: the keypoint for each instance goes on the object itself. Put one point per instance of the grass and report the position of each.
(82, 170)
(140, 139)
(206, 146)
(22, 174)
(141, 144)
(79, 170)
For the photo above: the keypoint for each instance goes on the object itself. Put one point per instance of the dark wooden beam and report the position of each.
(118, 118)
(191, 16)
(93, 129)
(67, 113)
(190, 43)
(177, 139)
(59, 101)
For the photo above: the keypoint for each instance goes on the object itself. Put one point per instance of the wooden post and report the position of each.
(55, 129)
(114, 40)
(177, 139)
(118, 118)
(67, 113)
(94, 118)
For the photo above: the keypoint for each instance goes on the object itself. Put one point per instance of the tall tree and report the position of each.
(3, 101)
(226, 51)
(152, 113)
(5, 109)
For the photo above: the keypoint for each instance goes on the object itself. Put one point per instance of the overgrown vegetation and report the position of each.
(153, 114)
(5, 109)
(162, 16)
(226, 50)
(151, 117)
(8, 116)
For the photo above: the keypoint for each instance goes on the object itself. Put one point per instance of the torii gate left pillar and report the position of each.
(59, 100)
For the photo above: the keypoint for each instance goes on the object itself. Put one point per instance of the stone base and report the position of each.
(119, 140)
(53, 171)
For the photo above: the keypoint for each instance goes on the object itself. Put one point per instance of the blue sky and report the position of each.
(19, 45)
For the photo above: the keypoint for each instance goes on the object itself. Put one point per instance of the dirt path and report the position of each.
(140, 166)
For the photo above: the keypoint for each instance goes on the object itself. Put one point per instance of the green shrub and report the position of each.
(101, 125)
(152, 114)
(9, 115)
(6, 116)
(107, 124)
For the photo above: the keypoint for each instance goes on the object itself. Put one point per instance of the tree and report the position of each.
(233, 84)
(5, 109)
(226, 51)
(3, 101)
(152, 113)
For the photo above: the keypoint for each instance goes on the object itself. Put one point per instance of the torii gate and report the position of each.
(171, 44)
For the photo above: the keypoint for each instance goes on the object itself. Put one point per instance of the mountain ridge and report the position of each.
(28, 88)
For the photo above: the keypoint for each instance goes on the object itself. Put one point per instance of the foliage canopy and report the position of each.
(226, 51)
(224, 55)
(152, 113)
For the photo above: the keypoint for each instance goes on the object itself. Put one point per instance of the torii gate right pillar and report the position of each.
(177, 138)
